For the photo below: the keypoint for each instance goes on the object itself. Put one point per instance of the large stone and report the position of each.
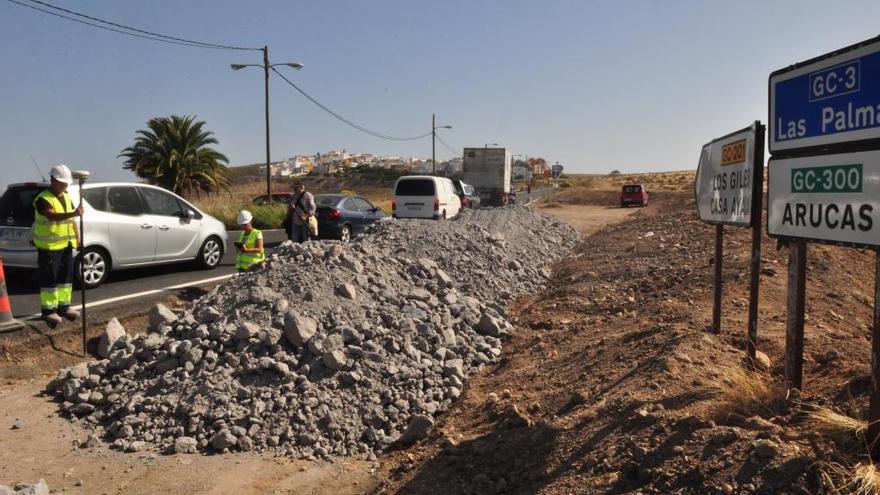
(418, 428)
(489, 325)
(443, 278)
(335, 359)
(39, 488)
(453, 367)
(160, 315)
(353, 265)
(112, 332)
(420, 295)
(185, 445)
(223, 439)
(246, 331)
(762, 361)
(299, 329)
(81, 370)
(347, 291)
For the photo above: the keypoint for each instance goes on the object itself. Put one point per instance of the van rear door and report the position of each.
(415, 197)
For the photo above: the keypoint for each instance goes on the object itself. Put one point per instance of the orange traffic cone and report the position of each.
(7, 322)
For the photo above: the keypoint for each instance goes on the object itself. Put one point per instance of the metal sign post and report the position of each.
(794, 321)
(719, 257)
(755, 262)
(729, 190)
(824, 181)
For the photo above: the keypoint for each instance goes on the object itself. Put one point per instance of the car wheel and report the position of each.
(345, 233)
(95, 265)
(211, 253)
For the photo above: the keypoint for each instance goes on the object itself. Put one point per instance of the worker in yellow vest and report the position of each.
(55, 235)
(250, 243)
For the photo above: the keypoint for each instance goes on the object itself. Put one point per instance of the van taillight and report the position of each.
(436, 204)
(393, 204)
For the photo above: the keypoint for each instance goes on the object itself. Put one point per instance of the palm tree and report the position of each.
(173, 153)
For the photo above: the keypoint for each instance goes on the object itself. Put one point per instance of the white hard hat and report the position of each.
(61, 173)
(244, 217)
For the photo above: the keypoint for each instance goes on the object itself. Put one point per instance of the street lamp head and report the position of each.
(445, 127)
(237, 66)
(295, 65)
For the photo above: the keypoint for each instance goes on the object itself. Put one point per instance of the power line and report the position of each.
(349, 122)
(123, 29)
(448, 146)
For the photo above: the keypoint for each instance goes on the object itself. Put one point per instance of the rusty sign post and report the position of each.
(794, 321)
(824, 182)
(729, 190)
(719, 261)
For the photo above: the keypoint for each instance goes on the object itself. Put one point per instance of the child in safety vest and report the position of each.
(250, 243)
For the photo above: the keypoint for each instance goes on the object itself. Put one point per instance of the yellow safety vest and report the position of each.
(243, 261)
(49, 235)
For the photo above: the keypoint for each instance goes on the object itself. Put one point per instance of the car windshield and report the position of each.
(632, 189)
(17, 204)
(415, 187)
(326, 201)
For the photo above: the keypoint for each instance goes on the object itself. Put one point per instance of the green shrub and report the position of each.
(265, 217)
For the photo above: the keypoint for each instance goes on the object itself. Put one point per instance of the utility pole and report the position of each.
(268, 165)
(433, 144)
(266, 66)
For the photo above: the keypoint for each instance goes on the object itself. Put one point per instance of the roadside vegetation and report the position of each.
(174, 153)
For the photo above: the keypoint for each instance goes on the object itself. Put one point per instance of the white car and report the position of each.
(424, 196)
(126, 226)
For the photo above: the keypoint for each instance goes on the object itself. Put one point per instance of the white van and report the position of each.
(424, 196)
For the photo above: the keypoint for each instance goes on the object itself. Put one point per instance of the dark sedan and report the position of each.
(342, 217)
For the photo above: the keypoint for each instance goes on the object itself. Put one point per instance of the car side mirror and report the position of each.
(187, 214)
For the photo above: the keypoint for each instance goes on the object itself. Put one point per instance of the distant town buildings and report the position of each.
(337, 161)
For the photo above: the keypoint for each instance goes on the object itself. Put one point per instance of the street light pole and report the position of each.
(266, 66)
(434, 128)
(268, 164)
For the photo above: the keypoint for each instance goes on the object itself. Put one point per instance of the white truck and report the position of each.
(488, 170)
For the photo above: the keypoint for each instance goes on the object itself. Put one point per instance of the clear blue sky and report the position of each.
(628, 85)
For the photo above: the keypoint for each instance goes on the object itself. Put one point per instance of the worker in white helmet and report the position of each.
(250, 243)
(55, 234)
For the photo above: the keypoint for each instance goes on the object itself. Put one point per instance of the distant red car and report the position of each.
(633, 194)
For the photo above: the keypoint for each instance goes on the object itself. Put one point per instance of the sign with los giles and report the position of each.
(725, 179)
(828, 198)
(830, 100)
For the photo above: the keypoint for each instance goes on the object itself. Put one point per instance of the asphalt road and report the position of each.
(24, 290)
(133, 290)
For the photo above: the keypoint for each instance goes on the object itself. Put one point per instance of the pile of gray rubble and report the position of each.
(329, 349)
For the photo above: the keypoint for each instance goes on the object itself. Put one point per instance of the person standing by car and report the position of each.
(250, 243)
(55, 236)
(301, 208)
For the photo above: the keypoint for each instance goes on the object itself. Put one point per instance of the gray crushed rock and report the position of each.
(328, 349)
(38, 488)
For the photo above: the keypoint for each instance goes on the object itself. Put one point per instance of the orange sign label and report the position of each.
(733, 153)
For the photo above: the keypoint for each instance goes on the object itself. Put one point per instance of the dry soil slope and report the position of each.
(603, 389)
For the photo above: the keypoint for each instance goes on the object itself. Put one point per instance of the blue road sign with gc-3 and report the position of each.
(831, 100)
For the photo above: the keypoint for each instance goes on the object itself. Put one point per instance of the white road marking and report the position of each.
(102, 302)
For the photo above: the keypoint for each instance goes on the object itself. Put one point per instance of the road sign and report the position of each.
(829, 198)
(725, 178)
(557, 170)
(546, 173)
(829, 100)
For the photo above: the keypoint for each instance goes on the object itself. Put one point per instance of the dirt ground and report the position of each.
(604, 386)
(47, 446)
